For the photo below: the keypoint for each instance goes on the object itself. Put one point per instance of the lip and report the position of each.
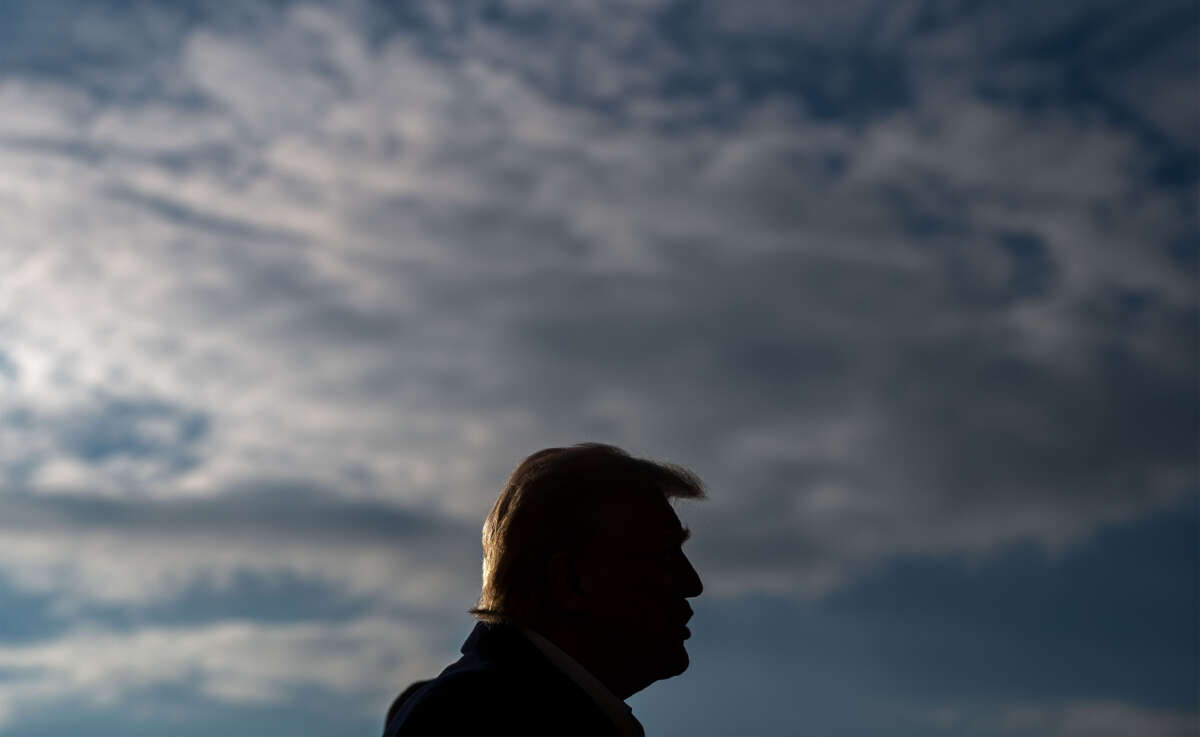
(687, 615)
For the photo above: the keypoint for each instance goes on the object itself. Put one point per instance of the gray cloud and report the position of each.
(85, 551)
(378, 268)
(411, 269)
(1078, 718)
(232, 662)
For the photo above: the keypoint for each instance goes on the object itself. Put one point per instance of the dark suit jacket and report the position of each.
(502, 685)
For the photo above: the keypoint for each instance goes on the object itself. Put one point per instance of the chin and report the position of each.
(677, 662)
(684, 659)
(661, 657)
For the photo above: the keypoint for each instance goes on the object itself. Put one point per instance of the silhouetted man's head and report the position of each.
(582, 545)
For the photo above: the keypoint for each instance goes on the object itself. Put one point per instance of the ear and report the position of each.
(565, 585)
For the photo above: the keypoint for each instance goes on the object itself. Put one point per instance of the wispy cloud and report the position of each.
(894, 279)
(1100, 718)
(390, 272)
(88, 552)
(226, 662)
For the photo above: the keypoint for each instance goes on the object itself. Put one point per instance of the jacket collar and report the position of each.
(502, 641)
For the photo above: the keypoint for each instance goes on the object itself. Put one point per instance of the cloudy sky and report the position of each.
(287, 289)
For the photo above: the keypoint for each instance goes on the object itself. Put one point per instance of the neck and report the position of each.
(600, 658)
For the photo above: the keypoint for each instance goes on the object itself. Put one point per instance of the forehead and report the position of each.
(642, 516)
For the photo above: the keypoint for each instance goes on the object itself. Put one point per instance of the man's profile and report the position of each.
(584, 602)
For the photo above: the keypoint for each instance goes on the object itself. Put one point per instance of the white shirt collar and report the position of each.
(614, 708)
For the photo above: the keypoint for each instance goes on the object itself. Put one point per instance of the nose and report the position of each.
(689, 580)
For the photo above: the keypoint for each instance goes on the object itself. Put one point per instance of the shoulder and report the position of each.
(462, 703)
(501, 685)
